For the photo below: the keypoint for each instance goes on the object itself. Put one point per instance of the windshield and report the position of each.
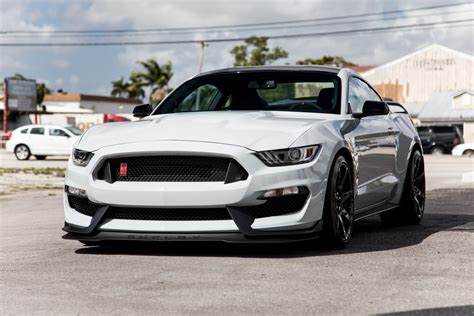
(74, 130)
(262, 91)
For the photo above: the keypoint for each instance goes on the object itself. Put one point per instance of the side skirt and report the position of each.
(374, 211)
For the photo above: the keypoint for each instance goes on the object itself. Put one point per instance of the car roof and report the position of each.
(297, 68)
(40, 125)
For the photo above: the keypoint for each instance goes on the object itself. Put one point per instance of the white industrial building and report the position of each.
(420, 79)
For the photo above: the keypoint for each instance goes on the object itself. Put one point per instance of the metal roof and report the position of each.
(440, 108)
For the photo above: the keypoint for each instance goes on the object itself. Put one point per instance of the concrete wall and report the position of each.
(464, 101)
(468, 132)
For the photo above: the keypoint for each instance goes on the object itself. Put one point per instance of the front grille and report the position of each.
(279, 206)
(172, 169)
(83, 205)
(168, 214)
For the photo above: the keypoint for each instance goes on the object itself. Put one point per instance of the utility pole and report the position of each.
(201, 59)
(197, 103)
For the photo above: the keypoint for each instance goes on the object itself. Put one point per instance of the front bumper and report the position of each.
(235, 197)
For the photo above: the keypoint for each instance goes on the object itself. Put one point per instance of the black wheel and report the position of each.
(412, 205)
(437, 150)
(468, 153)
(40, 157)
(22, 152)
(338, 216)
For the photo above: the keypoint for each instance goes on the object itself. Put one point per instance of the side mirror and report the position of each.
(373, 108)
(142, 110)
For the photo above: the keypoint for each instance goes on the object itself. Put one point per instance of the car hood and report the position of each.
(255, 130)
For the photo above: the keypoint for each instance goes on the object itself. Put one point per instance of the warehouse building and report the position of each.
(435, 84)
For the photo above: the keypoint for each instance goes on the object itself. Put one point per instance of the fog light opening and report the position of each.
(281, 192)
(77, 192)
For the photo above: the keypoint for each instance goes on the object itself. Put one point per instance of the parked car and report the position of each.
(438, 140)
(463, 150)
(248, 154)
(42, 140)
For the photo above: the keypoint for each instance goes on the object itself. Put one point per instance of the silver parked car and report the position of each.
(248, 154)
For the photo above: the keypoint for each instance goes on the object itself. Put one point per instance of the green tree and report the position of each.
(337, 61)
(120, 88)
(41, 89)
(135, 86)
(255, 52)
(154, 77)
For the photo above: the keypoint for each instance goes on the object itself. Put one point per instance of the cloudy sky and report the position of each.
(91, 69)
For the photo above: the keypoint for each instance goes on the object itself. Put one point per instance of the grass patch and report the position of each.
(56, 172)
(36, 187)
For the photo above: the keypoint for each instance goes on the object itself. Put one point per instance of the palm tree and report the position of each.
(156, 77)
(120, 88)
(135, 86)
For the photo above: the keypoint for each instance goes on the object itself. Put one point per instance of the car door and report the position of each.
(60, 141)
(37, 141)
(375, 146)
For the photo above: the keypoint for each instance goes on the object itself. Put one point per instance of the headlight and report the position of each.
(290, 156)
(81, 157)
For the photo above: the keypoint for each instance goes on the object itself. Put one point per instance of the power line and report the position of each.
(234, 25)
(236, 39)
(377, 19)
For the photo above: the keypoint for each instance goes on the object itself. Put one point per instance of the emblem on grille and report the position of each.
(123, 169)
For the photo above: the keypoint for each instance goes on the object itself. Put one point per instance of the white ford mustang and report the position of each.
(248, 155)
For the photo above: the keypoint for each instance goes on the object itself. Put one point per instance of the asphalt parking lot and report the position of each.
(427, 268)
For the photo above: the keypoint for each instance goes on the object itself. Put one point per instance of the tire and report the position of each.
(338, 214)
(412, 205)
(468, 153)
(437, 150)
(40, 157)
(22, 152)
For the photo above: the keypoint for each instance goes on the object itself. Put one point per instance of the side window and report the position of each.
(23, 131)
(359, 92)
(37, 130)
(57, 132)
(204, 98)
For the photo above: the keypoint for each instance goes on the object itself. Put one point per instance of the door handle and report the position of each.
(391, 132)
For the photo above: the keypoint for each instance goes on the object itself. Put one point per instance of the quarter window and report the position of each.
(23, 131)
(57, 132)
(204, 98)
(37, 130)
(359, 92)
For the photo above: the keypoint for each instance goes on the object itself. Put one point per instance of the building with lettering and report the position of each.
(435, 84)
(414, 78)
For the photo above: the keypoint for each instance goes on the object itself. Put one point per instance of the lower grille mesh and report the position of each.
(168, 214)
(272, 207)
(279, 206)
(83, 205)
